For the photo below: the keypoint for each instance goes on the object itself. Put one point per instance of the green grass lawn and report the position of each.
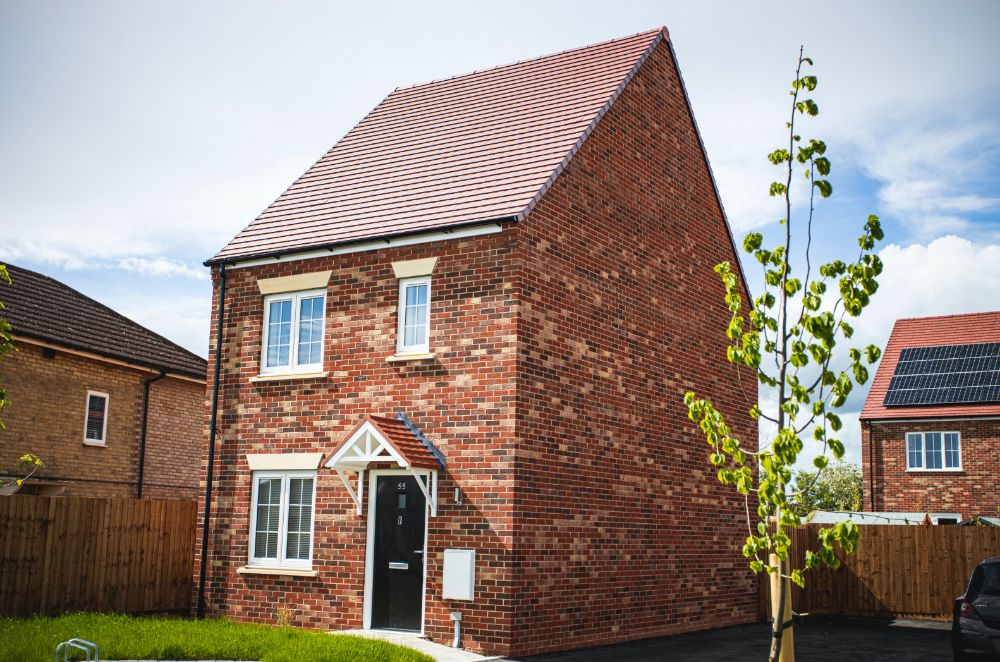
(164, 638)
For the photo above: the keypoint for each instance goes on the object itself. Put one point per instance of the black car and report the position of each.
(975, 624)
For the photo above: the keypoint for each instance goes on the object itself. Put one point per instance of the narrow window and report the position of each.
(282, 519)
(952, 451)
(293, 332)
(932, 450)
(96, 426)
(413, 334)
(914, 450)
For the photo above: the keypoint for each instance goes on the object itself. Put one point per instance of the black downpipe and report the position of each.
(211, 443)
(142, 439)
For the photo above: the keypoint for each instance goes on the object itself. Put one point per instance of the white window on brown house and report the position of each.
(281, 519)
(933, 451)
(96, 427)
(293, 332)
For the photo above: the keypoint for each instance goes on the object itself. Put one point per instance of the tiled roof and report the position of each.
(474, 148)
(42, 308)
(406, 442)
(930, 332)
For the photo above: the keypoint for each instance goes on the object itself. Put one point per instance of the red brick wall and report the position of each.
(563, 349)
(971, 491)
(463, 400)
(622, 530)
(47, 415)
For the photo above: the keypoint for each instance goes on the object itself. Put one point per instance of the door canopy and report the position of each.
(381, 439)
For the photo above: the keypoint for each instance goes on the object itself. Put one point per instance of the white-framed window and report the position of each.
(414, 332)
(293, 332)
(282, 512)
(95, 428)
(933, 451)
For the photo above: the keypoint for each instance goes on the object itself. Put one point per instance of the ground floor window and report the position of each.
(933, 451)
(281, 519)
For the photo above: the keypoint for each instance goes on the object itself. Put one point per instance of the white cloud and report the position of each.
(183, 319)
(162, 267)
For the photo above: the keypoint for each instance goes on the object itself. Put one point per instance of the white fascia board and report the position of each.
(440, 235)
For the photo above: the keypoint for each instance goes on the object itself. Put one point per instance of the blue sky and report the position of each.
(137, 138)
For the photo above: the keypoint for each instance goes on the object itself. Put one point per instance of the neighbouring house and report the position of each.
(453, 360)
(113, 409)
(930, 428)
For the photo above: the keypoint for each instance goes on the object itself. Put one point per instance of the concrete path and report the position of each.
(437, 651)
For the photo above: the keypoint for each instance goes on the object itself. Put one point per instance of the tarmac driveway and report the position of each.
(817, 639)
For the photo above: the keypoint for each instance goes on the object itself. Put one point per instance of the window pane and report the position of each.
(310, 330)
(932, 443)
(914, 450)
(95, 417)
(267, 512)
(952, 459)
(415, 312)
(299, 518)
(279, 333)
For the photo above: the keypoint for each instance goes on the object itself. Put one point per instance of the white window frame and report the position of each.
(293, 351)
(254, 561)
(923, 451)
(401, 348)
(103, 441)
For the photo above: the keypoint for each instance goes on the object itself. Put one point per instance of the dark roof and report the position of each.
(480, 147)
(42, 308)
(972, 328)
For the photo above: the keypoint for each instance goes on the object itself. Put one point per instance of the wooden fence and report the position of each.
(60, 554)
(897, 571)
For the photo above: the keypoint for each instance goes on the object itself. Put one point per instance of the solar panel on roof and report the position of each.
(947, 374)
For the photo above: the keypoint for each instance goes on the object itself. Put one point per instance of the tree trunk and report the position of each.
(782, 641)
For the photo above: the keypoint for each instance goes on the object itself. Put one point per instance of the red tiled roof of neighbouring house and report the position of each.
(930, 332)
(42, 308)
(470, 149)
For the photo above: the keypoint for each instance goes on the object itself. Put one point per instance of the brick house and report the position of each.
(930, 427)
(453, 357)
(113, 409)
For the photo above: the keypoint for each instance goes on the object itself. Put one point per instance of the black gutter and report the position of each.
(142, 438)
(211, 442)
(340, 244)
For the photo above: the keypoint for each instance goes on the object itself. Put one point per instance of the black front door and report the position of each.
(398, 573)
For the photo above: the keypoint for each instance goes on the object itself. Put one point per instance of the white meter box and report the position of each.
(459, 581)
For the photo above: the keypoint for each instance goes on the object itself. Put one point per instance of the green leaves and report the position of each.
(797, 323)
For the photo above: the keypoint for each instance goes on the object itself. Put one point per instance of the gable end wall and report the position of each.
(622, 530)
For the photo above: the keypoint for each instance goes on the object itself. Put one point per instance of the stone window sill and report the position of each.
(935, 471)
(399, 358)
(290, 572)
(98, 444)
(288, 376)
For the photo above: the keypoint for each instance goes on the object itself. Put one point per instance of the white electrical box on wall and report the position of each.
(459, 582)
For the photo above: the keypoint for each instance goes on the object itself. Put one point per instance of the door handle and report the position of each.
(396, 565)
(418, 551)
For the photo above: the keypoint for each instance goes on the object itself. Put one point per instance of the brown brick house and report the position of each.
(930, 427)
(112, 408)
(453, 358)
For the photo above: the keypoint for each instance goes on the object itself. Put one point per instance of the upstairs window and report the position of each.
(293, 332)
(413, 334)
(96, 427)
(933, 451)
(281, 525)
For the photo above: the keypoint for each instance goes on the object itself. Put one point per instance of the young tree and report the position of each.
(788, 339)
(838, 487)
